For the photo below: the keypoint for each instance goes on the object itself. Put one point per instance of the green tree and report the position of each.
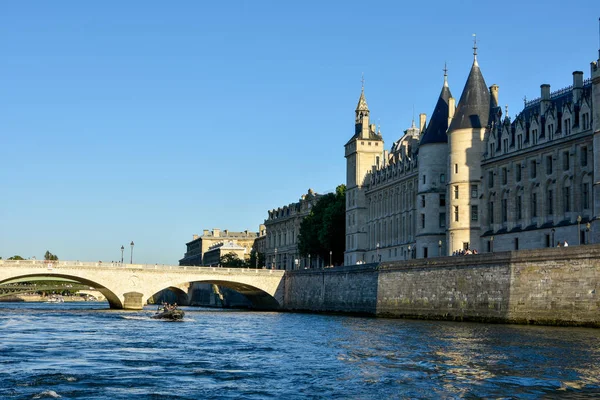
(252, 261)
(15, 258)
(231, 260)
(50, 257)
(324, 228)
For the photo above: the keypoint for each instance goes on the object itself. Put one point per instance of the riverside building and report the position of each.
(473, 178)
(216, 241)
(283, 228)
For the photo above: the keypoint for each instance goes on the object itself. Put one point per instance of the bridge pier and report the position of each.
(133, 301)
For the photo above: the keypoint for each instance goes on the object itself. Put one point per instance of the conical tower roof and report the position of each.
(362, 102)
(474, 106)
(438, 124)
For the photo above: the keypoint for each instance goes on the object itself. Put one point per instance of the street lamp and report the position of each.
(330, 254)
(587, 233)
(377, 247)
(579, 229)
(122, 249)
(297, 262)
(131, 260)
(492, 244)
(553, 230)
(452, 242)
(409, 252)
(309, 263)
(275, 259)
(439, 248)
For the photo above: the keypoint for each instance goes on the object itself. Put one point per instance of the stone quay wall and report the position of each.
(551, 286)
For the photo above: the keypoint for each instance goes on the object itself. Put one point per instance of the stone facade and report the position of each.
(283, 228)
(473, 178)
(199, 245)
(557, 286)
(216, 251)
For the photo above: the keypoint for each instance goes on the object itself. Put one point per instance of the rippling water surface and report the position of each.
(85, 351)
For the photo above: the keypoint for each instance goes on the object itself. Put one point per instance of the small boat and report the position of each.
(55, 299)
(170, 315)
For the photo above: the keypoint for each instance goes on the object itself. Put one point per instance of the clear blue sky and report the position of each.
(151, 121)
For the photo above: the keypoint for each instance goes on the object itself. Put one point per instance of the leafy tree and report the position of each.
(252, 261)
(231, 260)
(50, 257)
(324, 228)
(15, 258)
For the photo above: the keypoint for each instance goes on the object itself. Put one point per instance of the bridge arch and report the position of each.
(258, 298)
(111, 297)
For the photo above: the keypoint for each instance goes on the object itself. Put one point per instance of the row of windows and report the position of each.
(442, 196)
(549, 163)
(390, 231)
(442, 216)
(442, 178)
(397, 200)
(585, 119)
(549, 204)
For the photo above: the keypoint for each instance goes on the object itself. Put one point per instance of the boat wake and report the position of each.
(135, 317)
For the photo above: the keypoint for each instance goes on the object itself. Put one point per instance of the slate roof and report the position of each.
(438, 124)
(474, 105)
(362, 102)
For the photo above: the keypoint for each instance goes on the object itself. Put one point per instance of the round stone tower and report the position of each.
(433, 176)
(466, 146)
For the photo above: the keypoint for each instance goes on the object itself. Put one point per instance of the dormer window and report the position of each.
(567, 126)
(586, 120)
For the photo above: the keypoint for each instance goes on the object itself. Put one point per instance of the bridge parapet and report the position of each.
(157, 267)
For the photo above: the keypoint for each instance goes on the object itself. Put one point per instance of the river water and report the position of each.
(86, 351)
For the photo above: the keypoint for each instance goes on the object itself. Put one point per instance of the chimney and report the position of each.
(577, 86)
(451, 109)
(422, 120)
(194, 237)
(545, 91)
(545, 103)
(494, 96)
(216, 232)
(205, 232)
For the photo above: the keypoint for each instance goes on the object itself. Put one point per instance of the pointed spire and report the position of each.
(475, 49)
(445, 75)
(473, 108)
(362, 101)
(435, 132)
(362, 82)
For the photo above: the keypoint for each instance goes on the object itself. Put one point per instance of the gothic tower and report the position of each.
(433, 174)
(466, 146)
(363, 151)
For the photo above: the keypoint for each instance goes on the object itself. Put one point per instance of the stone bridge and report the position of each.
(129, 286)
